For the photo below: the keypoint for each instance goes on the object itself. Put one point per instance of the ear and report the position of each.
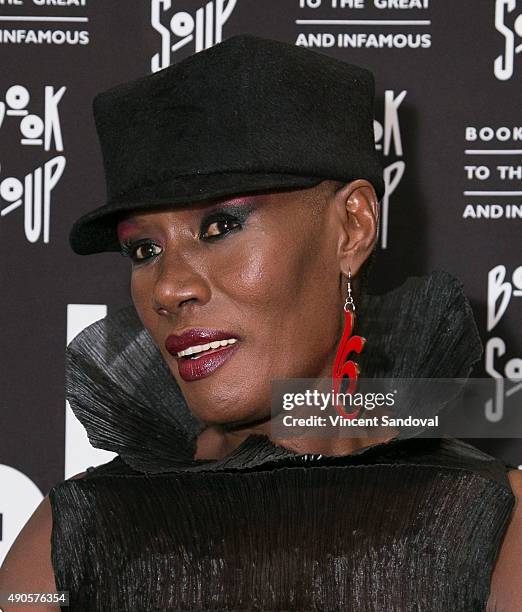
(358, 212)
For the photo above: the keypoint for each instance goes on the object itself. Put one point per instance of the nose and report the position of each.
(179, 285)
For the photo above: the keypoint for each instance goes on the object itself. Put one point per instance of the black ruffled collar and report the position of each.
(123, 393)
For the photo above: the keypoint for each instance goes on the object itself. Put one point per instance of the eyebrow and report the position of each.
(233, 202)
(231, 206)
(236, 200)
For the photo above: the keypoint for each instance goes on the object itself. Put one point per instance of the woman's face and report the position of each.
(259, 274)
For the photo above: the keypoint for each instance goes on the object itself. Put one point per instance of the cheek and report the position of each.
(261, 278)
(141, 291)
(284, 294)
(312, 322)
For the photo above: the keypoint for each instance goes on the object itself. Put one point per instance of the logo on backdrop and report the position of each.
(33, 192)
(30, 27)
(503, 290)
(201, 28)
(356, 24)
(388, 140)
(508, 21)
(492, 172)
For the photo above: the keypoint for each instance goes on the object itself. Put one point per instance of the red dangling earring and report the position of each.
(347, 345)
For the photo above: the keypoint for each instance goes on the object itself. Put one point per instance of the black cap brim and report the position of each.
(95, 232)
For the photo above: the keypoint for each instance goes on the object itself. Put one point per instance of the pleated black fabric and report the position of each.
(415, 526)
(409, 524)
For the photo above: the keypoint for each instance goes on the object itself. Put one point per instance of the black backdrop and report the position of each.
(449, 128)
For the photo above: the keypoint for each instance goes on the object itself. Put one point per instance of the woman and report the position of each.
(243, 185)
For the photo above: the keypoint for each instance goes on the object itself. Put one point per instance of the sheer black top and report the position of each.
(411, 524)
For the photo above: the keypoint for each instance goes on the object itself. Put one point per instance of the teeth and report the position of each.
(200, 348)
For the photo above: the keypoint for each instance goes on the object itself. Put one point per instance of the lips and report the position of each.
(198, 359)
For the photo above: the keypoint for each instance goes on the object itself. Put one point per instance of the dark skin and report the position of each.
(271, 270)
(278, 276)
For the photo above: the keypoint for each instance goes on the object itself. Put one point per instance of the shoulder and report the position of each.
(506, 586)
(28, 566)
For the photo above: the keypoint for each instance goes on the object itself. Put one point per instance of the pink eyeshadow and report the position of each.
(125, 229)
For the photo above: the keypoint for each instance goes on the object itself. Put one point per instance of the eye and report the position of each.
(140, 251)
(216, 226)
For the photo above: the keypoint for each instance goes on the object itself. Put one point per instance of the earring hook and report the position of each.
(349, 304)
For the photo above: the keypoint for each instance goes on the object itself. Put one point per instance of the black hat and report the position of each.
(245, 115)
